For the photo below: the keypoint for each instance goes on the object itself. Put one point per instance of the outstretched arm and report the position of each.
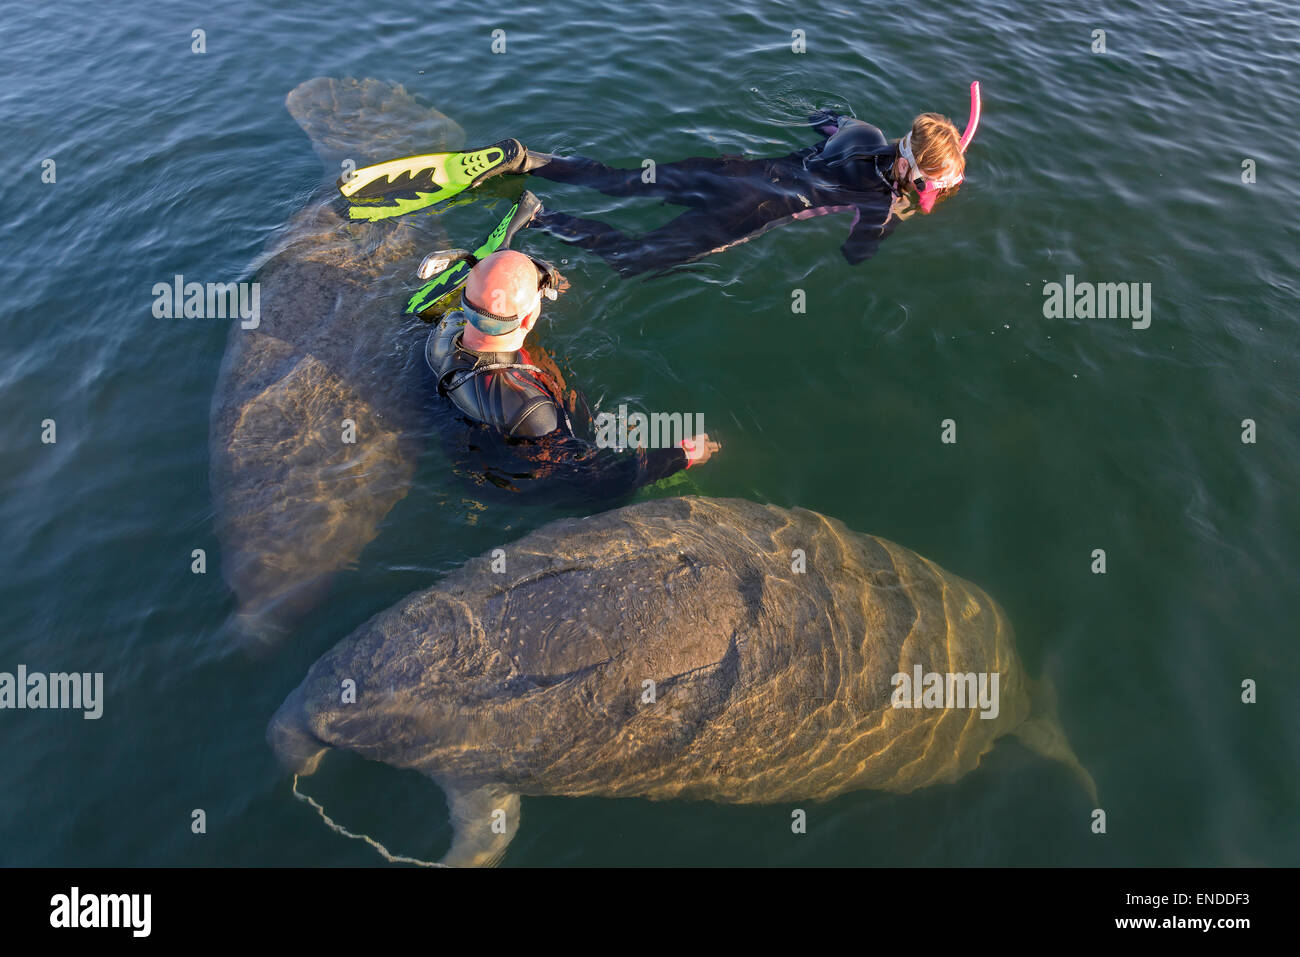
(865, 235)
(546, 450)
(590, 472)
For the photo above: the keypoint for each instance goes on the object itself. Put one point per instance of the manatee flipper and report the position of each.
(483, 820)
(1042, 733)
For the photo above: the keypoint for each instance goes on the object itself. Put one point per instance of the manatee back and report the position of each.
(831, 642)
(793, 627)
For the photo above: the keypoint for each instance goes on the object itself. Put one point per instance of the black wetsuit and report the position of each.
(733, 199)
(520, 437)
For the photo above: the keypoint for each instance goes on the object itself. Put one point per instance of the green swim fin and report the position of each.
(431, 296)
(425, 180)
(447, 271)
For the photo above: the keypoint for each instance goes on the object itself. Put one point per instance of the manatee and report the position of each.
(294, 502)
(770, 684)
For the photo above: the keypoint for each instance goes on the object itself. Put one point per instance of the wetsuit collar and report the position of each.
(483, 357)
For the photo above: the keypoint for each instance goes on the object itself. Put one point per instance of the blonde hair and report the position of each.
(936, 145)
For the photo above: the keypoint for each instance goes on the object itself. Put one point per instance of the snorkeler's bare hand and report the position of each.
(699, 449)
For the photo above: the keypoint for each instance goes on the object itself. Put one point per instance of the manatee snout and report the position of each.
(297, 749)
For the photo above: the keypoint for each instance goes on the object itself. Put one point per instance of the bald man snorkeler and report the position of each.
(522, 436)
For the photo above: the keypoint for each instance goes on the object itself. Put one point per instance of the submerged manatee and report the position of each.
(294, 502)
(769, 684)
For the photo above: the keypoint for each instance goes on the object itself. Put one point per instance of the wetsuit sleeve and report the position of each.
(866, 235)
(825, 122)
(660, 463)
(590, 471)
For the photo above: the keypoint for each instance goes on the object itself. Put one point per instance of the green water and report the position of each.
(1072, 434)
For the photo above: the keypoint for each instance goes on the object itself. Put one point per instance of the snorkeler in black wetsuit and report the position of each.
(520, 434)
(729, 199)
(732, 200)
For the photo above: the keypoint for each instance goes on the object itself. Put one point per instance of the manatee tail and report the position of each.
(360, 120)
(1042, 732)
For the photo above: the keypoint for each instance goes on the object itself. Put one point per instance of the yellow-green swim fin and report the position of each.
(400, 186)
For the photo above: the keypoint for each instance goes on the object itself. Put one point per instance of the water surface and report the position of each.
(1072, 434)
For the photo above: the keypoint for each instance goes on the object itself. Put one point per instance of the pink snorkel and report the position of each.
(930, 192)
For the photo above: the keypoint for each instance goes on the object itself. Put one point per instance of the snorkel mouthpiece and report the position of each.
(928, 193)
(926, 196)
